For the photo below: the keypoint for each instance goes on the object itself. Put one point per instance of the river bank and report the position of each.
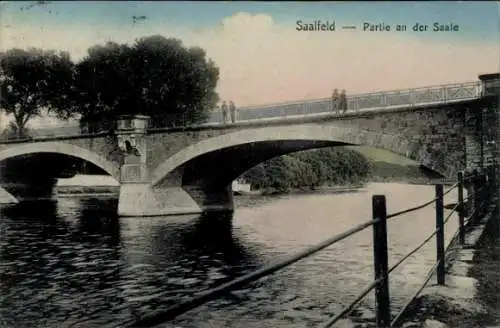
(299, 191)
(67, 191)
(342, 187)
(470, 298)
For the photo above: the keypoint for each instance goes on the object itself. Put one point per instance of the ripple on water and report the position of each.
(64, 264)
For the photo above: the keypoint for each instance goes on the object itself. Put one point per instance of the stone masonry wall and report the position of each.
(105, 147)
(436, 134)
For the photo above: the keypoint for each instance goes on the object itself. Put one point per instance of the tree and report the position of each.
(256, 176)
(11, 132)
(33, 80)
(309, 169)
(156, 76)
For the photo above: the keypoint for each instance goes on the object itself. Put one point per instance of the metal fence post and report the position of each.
(461, 209)
(380, 262)
(440, 234)
(482, 193)
(494, 181)
(476, 196)
(491, 184)
(487, 182)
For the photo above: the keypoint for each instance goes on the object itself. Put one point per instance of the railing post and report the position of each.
(493, 182)
(383, 100)
(481, 194)
(440, 234)
(487, 186)
(489, 190)
(383, 305)
(461, 209)
(413, 100)
(476, 197)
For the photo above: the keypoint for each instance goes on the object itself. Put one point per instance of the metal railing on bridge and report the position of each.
(424, 96)
(440, 94)
(482, 189)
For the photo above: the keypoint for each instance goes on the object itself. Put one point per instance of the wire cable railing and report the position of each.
(481, 190)
(203, 297)
(356, 103)
(416, 208)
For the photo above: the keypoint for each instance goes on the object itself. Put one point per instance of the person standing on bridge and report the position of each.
(343, 101)
(224, 110)
(232, 111)
(335, 101)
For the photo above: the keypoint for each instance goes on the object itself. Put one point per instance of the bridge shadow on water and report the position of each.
(75, 263)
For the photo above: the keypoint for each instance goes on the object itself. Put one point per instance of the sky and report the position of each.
(264, 59)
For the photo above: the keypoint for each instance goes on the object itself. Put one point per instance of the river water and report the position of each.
(72, 263)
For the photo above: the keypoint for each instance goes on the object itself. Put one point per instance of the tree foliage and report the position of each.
(33, 80)
(11, 132)
(309, 170)
(156, 76)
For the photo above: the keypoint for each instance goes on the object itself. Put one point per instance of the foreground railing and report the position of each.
(482, 191)
(442, 94)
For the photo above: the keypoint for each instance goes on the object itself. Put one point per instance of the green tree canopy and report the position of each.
(33, 80)
(309, 169)
(156, 76)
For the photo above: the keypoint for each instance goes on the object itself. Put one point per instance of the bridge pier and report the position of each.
(137, 195)
(491, 87)
(140, 199)
(491, 117)
(481, 125)
(40, 187)
(30, 181)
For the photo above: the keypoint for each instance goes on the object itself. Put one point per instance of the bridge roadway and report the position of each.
(358, 103)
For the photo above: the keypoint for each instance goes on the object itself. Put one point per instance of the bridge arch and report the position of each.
(64, 149)
(325, 135)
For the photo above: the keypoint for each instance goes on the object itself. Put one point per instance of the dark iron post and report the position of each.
(383, 305)
(461, 209)
(476, 196)
(483, 192)
(494, 182)
(440, 234)
(491, 184)
(487, 186)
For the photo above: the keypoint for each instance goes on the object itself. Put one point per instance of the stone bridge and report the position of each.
(190, 169)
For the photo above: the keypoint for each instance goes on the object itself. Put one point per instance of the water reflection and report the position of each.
(77, 264)
(174, 257)
(50, 270)
(74, 263)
